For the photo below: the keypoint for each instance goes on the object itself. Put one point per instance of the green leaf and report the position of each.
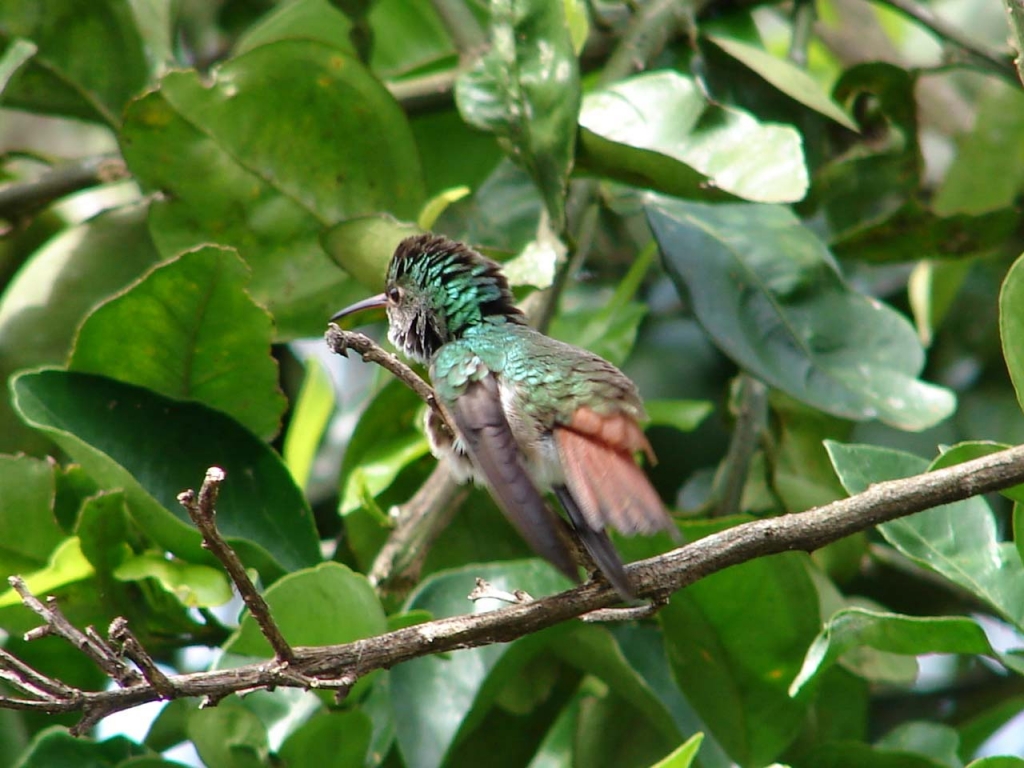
(658, 130)
(407, 35)
(89, 63)
(258, 166)
(556, 749)
(931, 289)
(154, 448)
(67, 565)
(853, 628)
(978, 728)
(769, 294)
(363, 246)
(56, 747)
(54, 290)
(383, 443)
(102, 530)
(958, 540)
(304, 20)
(611, 734)
(436, 205)
(735, 639)
(229, 736)
(526, 89)
(684, 415)
(684, 755)
(28, 530)
(189, 330)
(324, 605)
(195, 586)
(975, 449)
(312, 413)
(1011, 325)
(787, 77)
(933, 740)
(329, 740)
(14, 57)
(433, 696)
(997, 761)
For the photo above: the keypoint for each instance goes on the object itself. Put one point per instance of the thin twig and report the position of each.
(1015, 18)
(22, 198)
(203, 513)
(804, 14)
(751, 413)
(425, 92)
(132, 648)
(997, 61)
(466, 32)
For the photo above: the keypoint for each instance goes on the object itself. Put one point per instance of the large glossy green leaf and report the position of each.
(658, 130)
(787, 77)
(90, 59)
(959, 541)
(769, 294)
(853, 628)
(433, 696)
(735, 640)
(316, 606)
(28, 529)
(48, 298)
(189, 330)
(282, 141)
(526, 90)
(154, 448)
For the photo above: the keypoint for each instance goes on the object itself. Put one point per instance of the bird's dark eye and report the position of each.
(394, 294)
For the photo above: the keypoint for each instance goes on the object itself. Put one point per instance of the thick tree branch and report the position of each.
(337, 666)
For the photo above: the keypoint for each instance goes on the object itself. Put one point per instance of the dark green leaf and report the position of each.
(90, 59)
(28, 530)
(658, 130)
(856, 754)
(932, 740)
(102, 529)
(302, 20)
(56, 747)
(189, 330)
(259, 166)
(229, 736)
(769, 294)
(958, 541)
(612, 734)
(154, 448)
(787, 77)
(526, 89)
(329, 740)
(735, 639)
(407, 36)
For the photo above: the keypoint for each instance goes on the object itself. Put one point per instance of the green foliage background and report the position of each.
(801, 239)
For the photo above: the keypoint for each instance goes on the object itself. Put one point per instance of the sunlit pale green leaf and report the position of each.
(658, 130)
(684, 415)
(526, 90)
(769, 294)
(196, 586)
(310, 417)
(189, 330)
(66, 565)
(684, 756)
(18, 52)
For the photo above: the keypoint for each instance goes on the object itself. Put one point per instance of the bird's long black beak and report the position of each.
(374, 302)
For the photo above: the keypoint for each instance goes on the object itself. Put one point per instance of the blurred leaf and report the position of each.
(302, 20)
(958, 541)
(89, 63)
(329, 740)
(1011, 325)
(229, 736)
(684, 415)
(556, 750)
(102, 530)
(978, 728)
(988, 163)
(906, 635)
(684, 755)
(324, 605)
(526, 90)
(454, 154)
(432, 696)
(769, 294)
(934, 740)
(55, 747)
(154, 448)
(735, 640)
(407, 35)
(382, 444)
(787, 77)
(855, 754)
(931, 288)
(14, 57)
(28, 530)
(658, 130)
(438, 203)
(48, 298)
(310, 417)
(997, 761)
(538, 262)
(196, 586)
(612, 734)
(608, 329)
(66, 565)
(803, 476)
(189, 330)
(363, 246)
(258, 167)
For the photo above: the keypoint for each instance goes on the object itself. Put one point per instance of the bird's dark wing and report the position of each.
(598, 545)
(486, 434)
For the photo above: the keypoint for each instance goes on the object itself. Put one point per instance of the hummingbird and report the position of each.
(523, 413)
